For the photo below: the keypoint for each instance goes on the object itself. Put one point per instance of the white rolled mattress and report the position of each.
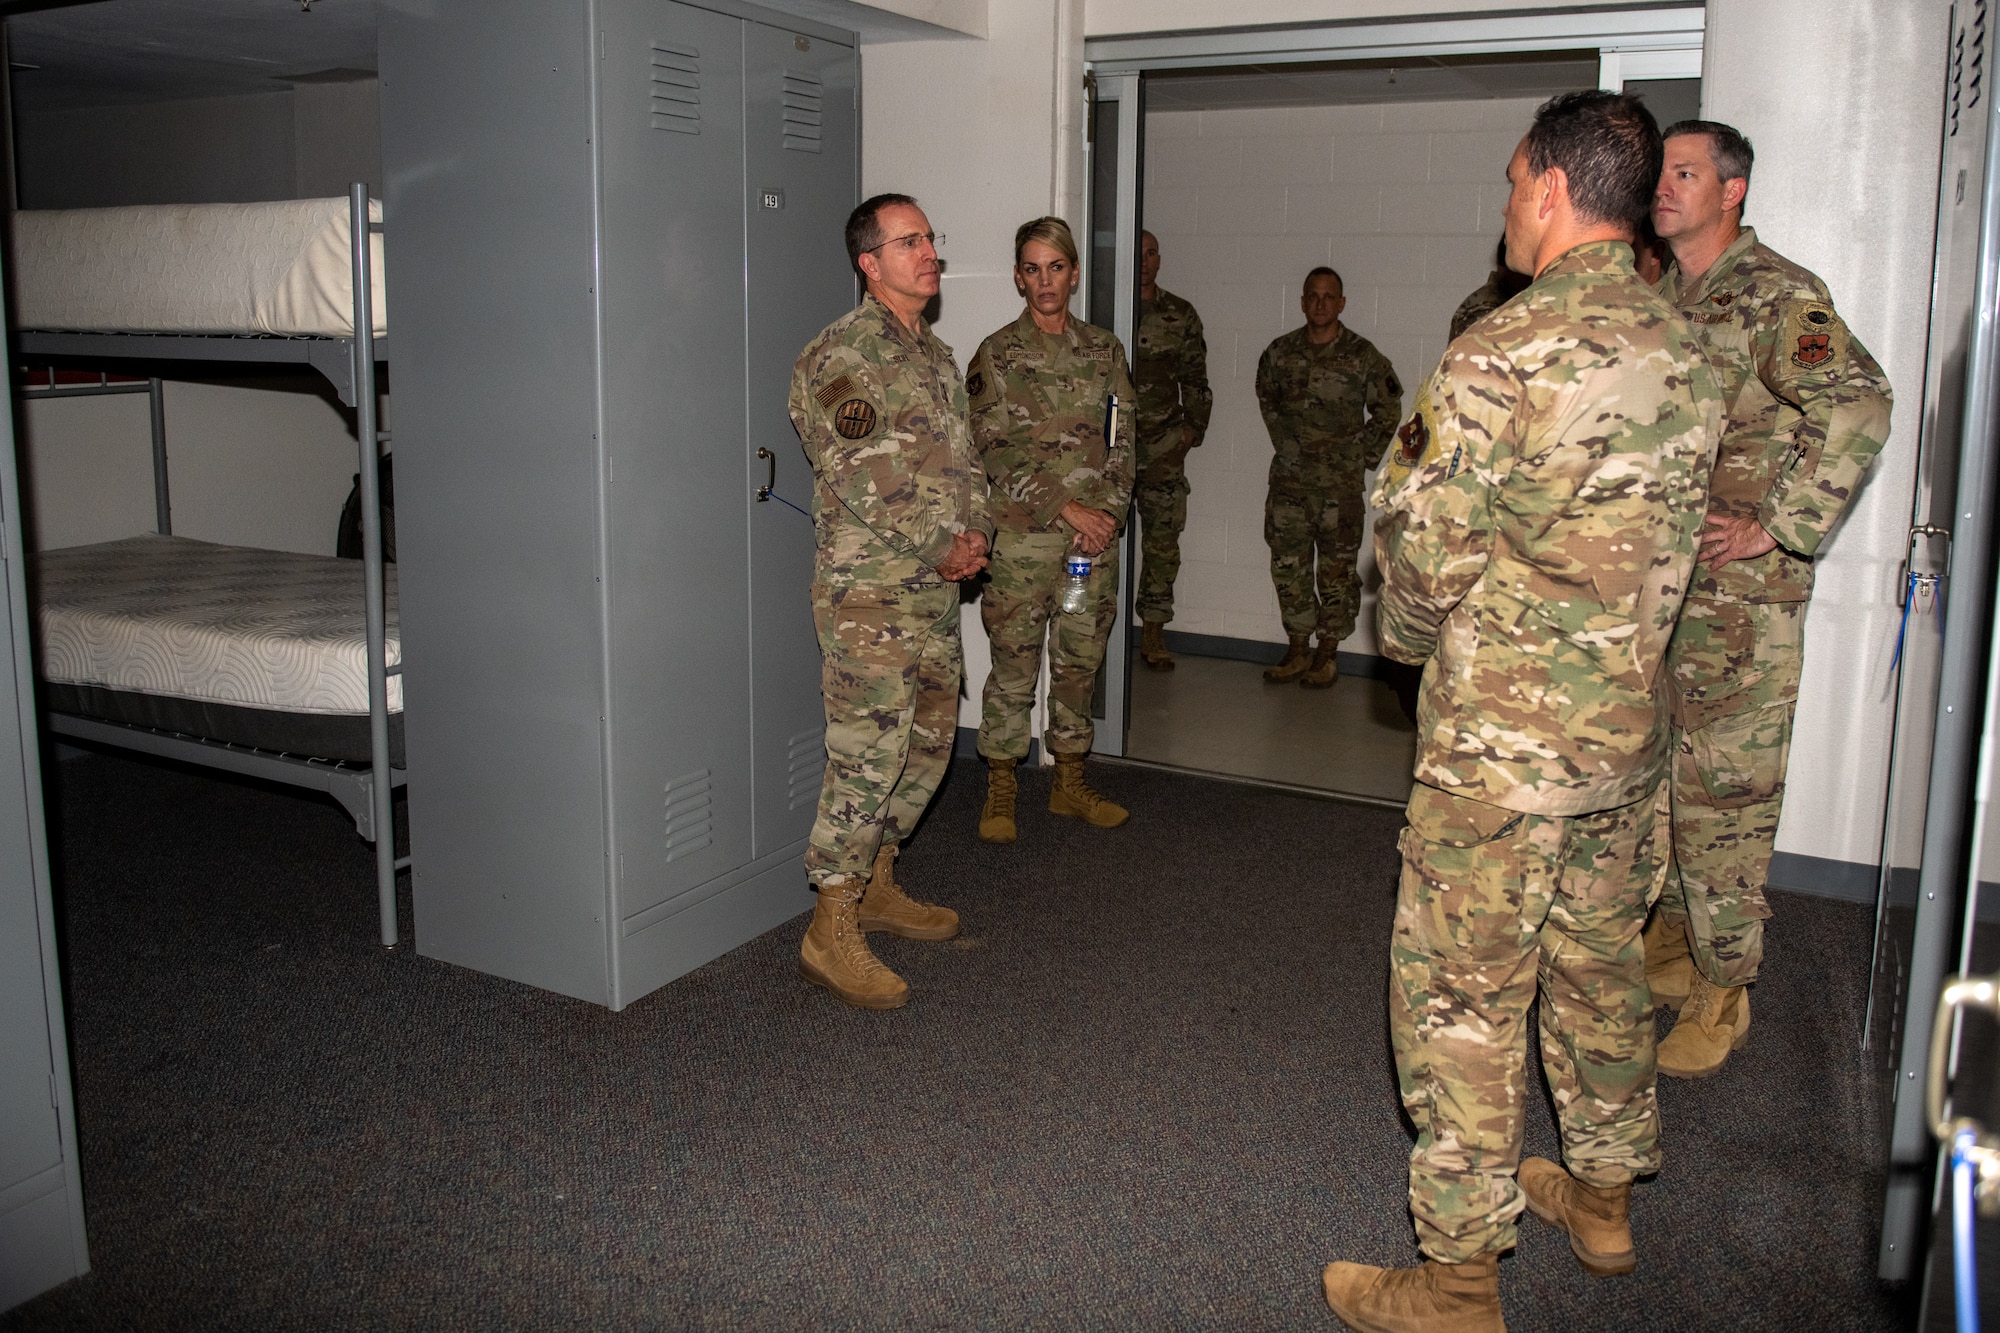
(283, 267)
(222, 624)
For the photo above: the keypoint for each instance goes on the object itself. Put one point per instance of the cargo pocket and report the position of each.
(1740, 759)
(1455, 884)
(1439, 817)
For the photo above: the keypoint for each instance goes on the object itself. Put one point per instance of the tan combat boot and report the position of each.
(1297, 659)
(1598, 1219)
(1715, 1021)
(1669, 966)
(1071, 795)
(1325, 668)
(884, 906)
(996, 817)
(834, 954)
(1153, 645)
(1434, 1298)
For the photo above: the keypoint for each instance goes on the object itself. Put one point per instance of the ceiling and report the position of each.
(1416, 79)
(111, 52)
(120, 51)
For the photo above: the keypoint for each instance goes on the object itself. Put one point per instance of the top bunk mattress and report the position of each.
(222, 624)
(283, 268)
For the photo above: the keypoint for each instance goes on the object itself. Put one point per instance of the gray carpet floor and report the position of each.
(1149, 1087)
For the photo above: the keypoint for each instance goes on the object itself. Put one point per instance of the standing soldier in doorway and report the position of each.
(1808, 411)
(1040, 389)
(1539, 524)
(899, 512)
(1330, 402)
(1171, 372)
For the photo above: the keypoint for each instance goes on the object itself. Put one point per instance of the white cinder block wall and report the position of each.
(1403, 199)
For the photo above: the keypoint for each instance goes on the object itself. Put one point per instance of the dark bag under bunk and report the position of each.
(348, 544)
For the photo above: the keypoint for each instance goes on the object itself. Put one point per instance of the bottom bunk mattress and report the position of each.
(232, 643)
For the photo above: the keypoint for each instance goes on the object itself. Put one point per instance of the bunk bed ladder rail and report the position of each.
(368, 441)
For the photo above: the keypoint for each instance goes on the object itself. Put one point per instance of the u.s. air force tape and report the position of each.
(855, 418)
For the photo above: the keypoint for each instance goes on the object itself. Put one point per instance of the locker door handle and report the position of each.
(771, 480)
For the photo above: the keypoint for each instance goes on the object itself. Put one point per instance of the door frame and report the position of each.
(1631, 44)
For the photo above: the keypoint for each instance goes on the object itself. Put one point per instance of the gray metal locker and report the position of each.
(613, 227)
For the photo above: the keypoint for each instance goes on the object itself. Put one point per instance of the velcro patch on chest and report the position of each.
(1814, 335)
(1094, 353)
(855, 419)
(833, 391)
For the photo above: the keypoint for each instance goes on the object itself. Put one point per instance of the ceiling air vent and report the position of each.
(676, 88)
(690, 814)
(802, 118)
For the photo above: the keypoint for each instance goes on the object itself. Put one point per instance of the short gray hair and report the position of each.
(1727, 148)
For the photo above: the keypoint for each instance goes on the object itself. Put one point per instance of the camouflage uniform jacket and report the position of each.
(1038, 403)
(1333, 406)
(1541, 515)
(1479, 305)
(1808, 410)
(1171, 371)
(882, 414)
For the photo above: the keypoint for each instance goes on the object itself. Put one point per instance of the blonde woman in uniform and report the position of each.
(1041, 390)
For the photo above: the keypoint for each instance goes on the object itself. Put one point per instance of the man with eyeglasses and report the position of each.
(900, 515)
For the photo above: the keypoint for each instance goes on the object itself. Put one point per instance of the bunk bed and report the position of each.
(262, 663)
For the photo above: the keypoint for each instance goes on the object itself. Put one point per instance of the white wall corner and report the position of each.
(966, 16)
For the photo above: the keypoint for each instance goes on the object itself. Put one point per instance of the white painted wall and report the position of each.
(1845, 184)
(986, 135)
(1403, 199)
(247, 466)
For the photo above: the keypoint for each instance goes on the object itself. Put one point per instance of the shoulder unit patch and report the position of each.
(855, 419)
(1815, 334)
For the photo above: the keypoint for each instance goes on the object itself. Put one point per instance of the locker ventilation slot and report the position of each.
(805, 767)
(1968, 65)
(676, 89)
(801, 109)
(690, 814)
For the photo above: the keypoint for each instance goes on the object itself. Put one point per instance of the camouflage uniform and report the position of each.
(1174, 404)
(1808, 411)
(1540, 521)
(1330, 411)
(1480, 304)
(882, 414)
(1038, 407)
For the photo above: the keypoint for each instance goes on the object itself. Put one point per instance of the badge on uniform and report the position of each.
(976, 384)
(1416, 438)
(1816, 335)
(855, 419)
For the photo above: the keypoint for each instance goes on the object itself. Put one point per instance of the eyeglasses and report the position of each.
(908, 244)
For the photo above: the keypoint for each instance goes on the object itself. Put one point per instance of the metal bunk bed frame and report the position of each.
(350, 364)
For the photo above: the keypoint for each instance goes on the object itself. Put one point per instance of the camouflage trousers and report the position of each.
(1019, 609)
(890, 665)
(1160, 496)
(1495, 906)
(1736, 671)
(1313, 524)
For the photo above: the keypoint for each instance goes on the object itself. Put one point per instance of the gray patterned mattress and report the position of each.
(260, 647)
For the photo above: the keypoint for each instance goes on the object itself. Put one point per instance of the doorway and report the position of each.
(1389, 170)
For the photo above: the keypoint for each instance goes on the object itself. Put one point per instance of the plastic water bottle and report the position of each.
(1075, 582)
